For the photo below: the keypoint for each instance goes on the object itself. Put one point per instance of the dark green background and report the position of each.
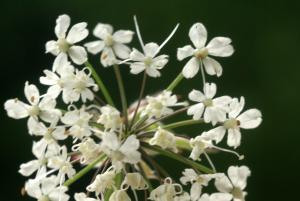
(265, 69)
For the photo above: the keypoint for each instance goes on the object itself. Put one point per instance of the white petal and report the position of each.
(236, 107)
(78, 54)
(198, 35)
(191, 68)
(216, 134)
(39, 148)
(222, 102)
(62, 25)
(184, 52)
(234, 138)
(196, 96)
(60, 62)
(77, 33)
(50, 78)
(123, 36)
(210, 90)
(102, 30)
(32, 93)
(196, 190)
(196, 111)
(26, 169)
(250, 119)
(137, 67)
(152, 72)
(129, 149)
(87, 94)
(136, 55)
(52, 47)
(16, 109)
(95, 46)
(122, 51)
(160, 61)
(223, 184)
(151, 49)
(48, 184)
(70, 117)
(33, 189)
(212, 67)
(220, 46)
(239, 175)
(35, 127)
(108, 57)
(54, 91)
(221, 197)
(111, 141)
(59, 133)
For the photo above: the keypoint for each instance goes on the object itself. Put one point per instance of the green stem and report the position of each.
(100, 84)
(140, 99)
(182, 123)
(175, 82)
(139, 122)
(122, 93)
(180, 158)
(84, 170)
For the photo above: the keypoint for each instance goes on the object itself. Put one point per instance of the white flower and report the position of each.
(111, 44)
(164, 139)
(197, 181)
(218, 46)
(119, 152)
(247, 120)
(214, 109)
(89, 150)
(215, 197)
(102, 182)
(148, 61)
(65, 42)
(78, 120)
(60, 79)
(46, 189)
(44, 109)
(166, 191)
(83, 197)
(199, 144)
(110, 118)
(62, 163)
(134, 180)
(235, 183)
(159, 105)
(119, 195)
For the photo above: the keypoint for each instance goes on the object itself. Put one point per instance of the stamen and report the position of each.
(203, 76)
(138, 32)
(210, 162)
(241, 157)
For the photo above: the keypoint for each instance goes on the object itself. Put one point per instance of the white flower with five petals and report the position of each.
(65, 42)
(218, 46)
(112, 45)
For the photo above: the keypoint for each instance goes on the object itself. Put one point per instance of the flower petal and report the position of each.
(220, 47)
(196, 96)
(77, 33)
(239, 175)
(198, 35)
(62, 25)
(212, 67)
(95, 46)
(52, 47)
(108, 57)
(122, 51)
(32, 93)
(191, 68)
(236, 107)
(210, 90)
(137, 67)
(152, 72)
(16, 109)
(151, 49)
(102, 30)
(196, 111)
(250, 119)
(123, 36)
(136, 55)
(185, 52)
(234, 137)
(223, 184)
(78, 54)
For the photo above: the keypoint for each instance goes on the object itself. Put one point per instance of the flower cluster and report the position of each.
(86, 132)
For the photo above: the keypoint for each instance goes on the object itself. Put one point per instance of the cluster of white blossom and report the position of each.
(86, 132)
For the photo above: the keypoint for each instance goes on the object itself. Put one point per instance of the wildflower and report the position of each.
(110, 118)
(111, 45)
(214, 109)
(102, 182)
(247, 120)
(235, 183)
(166, 192)
(164, 139)
(218, 46)
(88, 148)
(135, 181)
(65, 43)
(199, 144)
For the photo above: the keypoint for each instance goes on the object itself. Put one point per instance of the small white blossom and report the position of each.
(83, 197)
(111, 44)
(119, 152)
(89, 150)
(46, 189)
(134, 180)
(247, 120)
(199, 144)
(218, 46)
(166, 191)
(102, 182)
(119, 195)
(110, 118)
(214, 109)
(65, 43)
(197, 181)
(235, 183)
(164, 139)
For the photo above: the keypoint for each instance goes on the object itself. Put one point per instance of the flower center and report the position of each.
(201, 53)
(34, 110)
(237, 193)
(231, 123)
(44, 198)
(63, 45)
(148, 61)
(208, 102)
(109, 41)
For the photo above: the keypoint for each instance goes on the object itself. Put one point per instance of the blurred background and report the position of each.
(265, 69)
